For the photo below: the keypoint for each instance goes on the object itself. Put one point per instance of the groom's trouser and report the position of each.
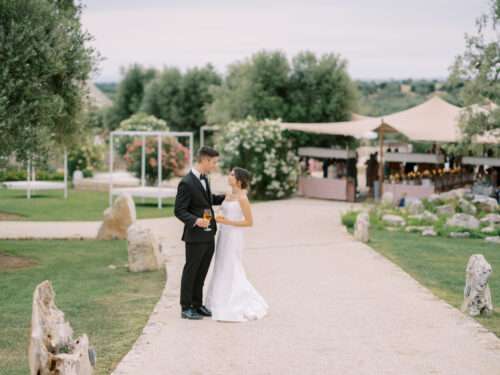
(198, 258)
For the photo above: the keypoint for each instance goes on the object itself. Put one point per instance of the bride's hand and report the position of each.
(221, 219)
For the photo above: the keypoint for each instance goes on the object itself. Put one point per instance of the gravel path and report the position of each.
(336, 307)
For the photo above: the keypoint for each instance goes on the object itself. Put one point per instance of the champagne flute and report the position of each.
(207, 215)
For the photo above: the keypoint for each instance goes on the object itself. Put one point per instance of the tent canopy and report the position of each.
(434, 120)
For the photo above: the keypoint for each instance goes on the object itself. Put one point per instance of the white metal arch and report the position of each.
(160, 192)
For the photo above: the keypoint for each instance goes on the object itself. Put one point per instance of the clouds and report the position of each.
(380, 39)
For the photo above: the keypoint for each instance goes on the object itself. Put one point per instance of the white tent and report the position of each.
(434, 120)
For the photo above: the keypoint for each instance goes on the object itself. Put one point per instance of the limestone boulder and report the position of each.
(388, 199)
(430, 232)
(452, 195)
(445, 210)
(143, 250)
(434, 198)
(489, 229)
(52, 350)
(493, 239)
(117, 219)
(467, 207)
(415, 207)
(416, 217)
(362, 228)
(393, 220)
(459, 234)
(429, 216)
(463, 221)
(485, 203)
(448, 196)
(491, 218)
(477, 294)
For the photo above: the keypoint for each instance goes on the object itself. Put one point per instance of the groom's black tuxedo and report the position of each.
(191, 200)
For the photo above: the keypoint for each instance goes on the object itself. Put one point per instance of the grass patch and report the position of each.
(111, 306)
(439, 264)
(80, 206)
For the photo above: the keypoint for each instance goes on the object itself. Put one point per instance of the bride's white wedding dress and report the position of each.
(230, 295)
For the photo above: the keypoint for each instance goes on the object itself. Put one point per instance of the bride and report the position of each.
(230, 295)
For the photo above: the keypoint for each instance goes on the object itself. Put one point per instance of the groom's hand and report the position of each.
(202, 223)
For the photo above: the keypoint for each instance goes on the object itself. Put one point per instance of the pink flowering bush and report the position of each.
(174, 158)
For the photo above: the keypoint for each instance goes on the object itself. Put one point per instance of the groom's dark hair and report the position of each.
(207, 152)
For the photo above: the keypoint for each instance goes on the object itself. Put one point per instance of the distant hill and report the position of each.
(379, 98)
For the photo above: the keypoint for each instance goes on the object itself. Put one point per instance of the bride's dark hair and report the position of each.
(242, 176)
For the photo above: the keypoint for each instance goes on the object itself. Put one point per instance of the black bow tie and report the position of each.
(203, 177)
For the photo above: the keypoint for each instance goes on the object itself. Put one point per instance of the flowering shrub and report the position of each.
(174, 158)
(260, 147)
(86, 158)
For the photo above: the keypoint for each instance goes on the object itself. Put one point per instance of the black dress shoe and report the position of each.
(191, 314)
(202, 310)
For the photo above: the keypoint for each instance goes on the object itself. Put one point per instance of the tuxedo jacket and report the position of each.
(190, 201)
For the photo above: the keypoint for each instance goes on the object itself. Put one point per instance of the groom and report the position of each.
(193, 197)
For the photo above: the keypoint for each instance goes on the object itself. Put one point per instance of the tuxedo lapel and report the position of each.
(209, 192)
(197, 182)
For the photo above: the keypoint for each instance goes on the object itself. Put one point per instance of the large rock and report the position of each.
(118, 219)
(467, 207)
(434, 198)
(362, 227)
(485, 203)
(491, 218)
(459, 234)
(463, 221)
(448, 196)
(477, 294)
(446, 209)
(489, 229)
(429, 216)
(415, 207)
(394, 220)
(52, 349)
(416, 217)
(143, 250)
(453, 194)
(417, 228)
(493, 239)
(430, 232)
(388, 199)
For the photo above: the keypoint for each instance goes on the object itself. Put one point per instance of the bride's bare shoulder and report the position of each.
(243, 197)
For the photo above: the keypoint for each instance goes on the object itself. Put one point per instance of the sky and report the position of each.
(380, 39)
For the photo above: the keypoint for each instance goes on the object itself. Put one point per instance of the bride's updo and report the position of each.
(242, 176)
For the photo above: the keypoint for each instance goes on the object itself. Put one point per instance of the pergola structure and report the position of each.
(32, 184)
(144, 191)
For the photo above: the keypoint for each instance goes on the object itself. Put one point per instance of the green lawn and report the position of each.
(80, 206)
(111, 306)
(439, 264)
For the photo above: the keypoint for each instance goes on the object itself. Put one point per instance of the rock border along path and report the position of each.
(336, 307)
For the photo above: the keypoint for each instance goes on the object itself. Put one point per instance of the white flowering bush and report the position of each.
(261, 148)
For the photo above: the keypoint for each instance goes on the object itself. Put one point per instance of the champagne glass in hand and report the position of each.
(207, 215)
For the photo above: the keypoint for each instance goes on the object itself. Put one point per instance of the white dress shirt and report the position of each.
(197, 173)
